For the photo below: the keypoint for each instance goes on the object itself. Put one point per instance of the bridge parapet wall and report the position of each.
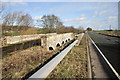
(57, 40)
(15, 39)
(52, 40)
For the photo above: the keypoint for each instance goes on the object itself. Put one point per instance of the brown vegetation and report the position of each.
(74, 64)
(29, 31)
(22, 62)
(112, 32)
(19, 63)
(19, 23)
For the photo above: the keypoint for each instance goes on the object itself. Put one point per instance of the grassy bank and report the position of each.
(74, 64)
(19, 63)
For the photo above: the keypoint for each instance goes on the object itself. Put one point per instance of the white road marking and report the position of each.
(115, 72)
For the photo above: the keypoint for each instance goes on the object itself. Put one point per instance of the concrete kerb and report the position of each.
(89, 60)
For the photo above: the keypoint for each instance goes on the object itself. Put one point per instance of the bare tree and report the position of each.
(3, 11)
(13, 19)
(44, 21)
(27, 21)
(51, 22)
(19, 19)
(7, 19)
(80, 28)
(39, 23)
(2, 7)
(0, 22)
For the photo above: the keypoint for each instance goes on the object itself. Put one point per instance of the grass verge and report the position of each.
(112, 33)
(19, 63)
(74, 64)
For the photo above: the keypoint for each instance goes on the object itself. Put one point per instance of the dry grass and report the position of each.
(113, 33)
(29, 31)
(74, 64)
(20, 63)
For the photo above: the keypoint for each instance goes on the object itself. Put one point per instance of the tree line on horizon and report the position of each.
(20, 23)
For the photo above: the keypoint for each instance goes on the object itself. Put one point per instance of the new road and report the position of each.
(110, 48)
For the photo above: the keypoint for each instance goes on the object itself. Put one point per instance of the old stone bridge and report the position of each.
(52, 41)
(48, 41)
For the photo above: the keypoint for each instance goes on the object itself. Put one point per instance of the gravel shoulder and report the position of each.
(98, 70)
(109, 47)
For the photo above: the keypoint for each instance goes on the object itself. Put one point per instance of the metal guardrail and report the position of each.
(45, 70)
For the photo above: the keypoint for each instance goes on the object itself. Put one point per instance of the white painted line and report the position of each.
(45, 70)
(115, 72)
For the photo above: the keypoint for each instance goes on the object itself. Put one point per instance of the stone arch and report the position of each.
(63, 42)
(58, 44)
(37, 43)
(66, 40)
(33, 44)
(51, 48)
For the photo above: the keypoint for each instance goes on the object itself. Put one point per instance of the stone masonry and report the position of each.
(49, 41)
(52, 41)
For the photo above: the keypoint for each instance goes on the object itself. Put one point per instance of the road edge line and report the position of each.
(114, 71)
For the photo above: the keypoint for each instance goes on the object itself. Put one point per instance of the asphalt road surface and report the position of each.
(110, 47)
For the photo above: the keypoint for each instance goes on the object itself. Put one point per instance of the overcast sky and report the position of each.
(97, 15)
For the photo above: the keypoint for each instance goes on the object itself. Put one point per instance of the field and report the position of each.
(74, 64)
(112, 33)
